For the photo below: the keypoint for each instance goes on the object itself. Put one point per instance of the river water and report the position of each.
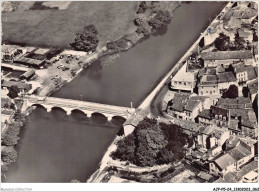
(54, 147)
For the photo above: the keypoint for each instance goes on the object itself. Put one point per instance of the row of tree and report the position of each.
(223, 43)
(153, 144)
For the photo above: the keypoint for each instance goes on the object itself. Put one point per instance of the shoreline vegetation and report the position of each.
(151, 17)
(101, 176)
(10, 139)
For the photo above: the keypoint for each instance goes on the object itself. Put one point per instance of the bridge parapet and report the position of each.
(86, 107)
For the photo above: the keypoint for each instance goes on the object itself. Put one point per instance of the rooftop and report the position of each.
(226, 77)
(212, 130)
(253, 86)
(183, 75)
(179, 101)
(205, 114)
(225, 55)
(20, 85)
(237, 103)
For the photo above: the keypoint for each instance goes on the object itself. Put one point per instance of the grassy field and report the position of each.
(56, 28)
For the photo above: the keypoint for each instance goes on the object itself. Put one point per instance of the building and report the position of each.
(246, 34)
(30, 62)
(235, 114)
(232, 23)
(212, 138)
(9, 52)
(232, 159)
(253, 89)
(23, 87)
(215, 81)
(183, 80)
(214, 59)
(28, 74)
(187, 107)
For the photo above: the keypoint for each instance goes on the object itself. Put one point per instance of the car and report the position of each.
(251, 177)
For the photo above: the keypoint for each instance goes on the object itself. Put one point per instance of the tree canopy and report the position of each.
(161, 19)
(232, 92)
(153, 144)
(13, 91)
(87, 40)
(222, 43)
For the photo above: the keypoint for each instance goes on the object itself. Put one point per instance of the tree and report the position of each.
(222, 43)
(162, 18)
(239, 43)
(142, 7)
(13, 91)
(11, 136)
(232, 92)
(87, 40)
(8, 155)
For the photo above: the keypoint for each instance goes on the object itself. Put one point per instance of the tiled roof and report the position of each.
(28, 73)
(219, 111)
(251, 72)
(232, 156)
(205, 114)
(224, 161)
(253, 86)
(248, 117)
(179, 101)
(237, 103)
(243, 33)
(226, 77)
(233, 22)
(239, 152)
(245, 13)
(192, 104)
(225, 55)
(212, 130)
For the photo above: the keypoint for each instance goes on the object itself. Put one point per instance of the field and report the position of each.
(56, 28)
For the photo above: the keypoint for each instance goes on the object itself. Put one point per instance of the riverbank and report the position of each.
(123, 44)
(10, 138)
(153, 99)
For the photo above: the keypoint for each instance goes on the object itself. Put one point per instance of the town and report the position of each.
(200, 124)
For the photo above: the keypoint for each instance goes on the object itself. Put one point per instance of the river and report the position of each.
(54, 147)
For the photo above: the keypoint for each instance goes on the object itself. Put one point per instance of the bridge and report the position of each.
(88, 108)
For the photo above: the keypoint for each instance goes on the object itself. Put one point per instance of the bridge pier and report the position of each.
(48, 108)
(109, 117)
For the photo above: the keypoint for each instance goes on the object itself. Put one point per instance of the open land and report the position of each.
(28, 27)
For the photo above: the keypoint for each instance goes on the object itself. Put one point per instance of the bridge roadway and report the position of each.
(88, 108)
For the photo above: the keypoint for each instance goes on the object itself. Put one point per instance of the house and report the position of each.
(183, 80)
(247, 121)
(235, 114)
(24, 87)
(232, 23)
(246, 15)
(212, 137)
(214, 59)
(215, 82)
(245, 34)
(9, 52)
(253, 89)
(232, 159)
(28, 74)
(187, 107)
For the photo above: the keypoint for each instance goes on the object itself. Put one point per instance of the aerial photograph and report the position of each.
(129, 92)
